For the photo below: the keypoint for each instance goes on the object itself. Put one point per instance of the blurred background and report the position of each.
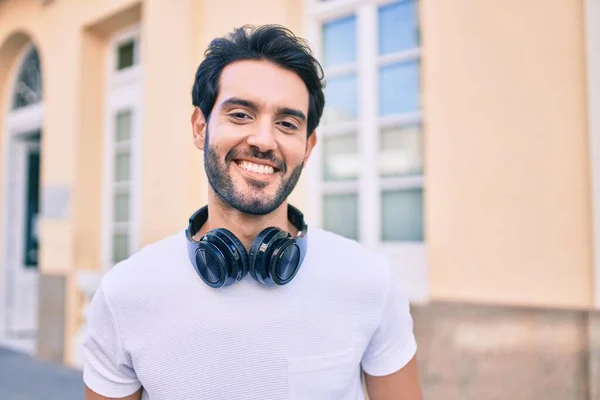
(461, 138)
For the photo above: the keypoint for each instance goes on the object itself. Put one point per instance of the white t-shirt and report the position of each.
(154, 323)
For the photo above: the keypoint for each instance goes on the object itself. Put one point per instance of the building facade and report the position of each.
(460, 138)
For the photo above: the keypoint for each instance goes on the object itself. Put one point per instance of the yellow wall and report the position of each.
(508, 209)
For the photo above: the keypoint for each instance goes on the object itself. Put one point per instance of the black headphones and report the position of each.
(221, 259)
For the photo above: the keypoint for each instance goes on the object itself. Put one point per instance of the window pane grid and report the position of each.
(123, 126)
(121, 227)
(341, 214)
(402, 182)
(340, 161)
(400, 58)
(334, 72)
(340, 187)
(339, 129)
(401, 150)
(339, 41)
(121, 207)
(120, 247)
(399, 88)
(402, 215)
(389, 121)
(126, 54)
(398, 26)
(396, 187)
(342, 99)
(122, 147)
(121, 187)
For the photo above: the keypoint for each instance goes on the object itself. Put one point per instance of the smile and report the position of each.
(256, 168)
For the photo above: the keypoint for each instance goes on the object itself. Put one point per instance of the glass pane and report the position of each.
(398, 27)
(121, 207)
(402, 215)
(125, 55)
(341, 99)
(341, 214)
(123, 125)
(401, 151)
(340, 158)
(32, 209)
(122, 164)
(28, 88)
(120, 247)
(399, 88)
(339, 42)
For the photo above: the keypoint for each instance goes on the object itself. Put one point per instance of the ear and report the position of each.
(310, 145)
(198, 128)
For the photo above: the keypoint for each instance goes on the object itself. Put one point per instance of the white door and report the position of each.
(22, 251)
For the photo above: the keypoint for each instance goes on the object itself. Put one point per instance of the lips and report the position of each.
(253, 156)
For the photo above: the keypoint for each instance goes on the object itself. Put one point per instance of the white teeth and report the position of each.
(259, 169)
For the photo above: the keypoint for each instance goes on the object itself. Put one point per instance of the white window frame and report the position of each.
(408, 259)
(123, 92)
(592, 38)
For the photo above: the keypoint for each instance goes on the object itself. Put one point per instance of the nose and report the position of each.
(263, 137)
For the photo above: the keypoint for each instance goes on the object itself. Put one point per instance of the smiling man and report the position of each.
(247, 302)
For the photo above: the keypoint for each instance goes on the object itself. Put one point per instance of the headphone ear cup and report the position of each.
(210, 264)
(284, 261)
(235, 252)
(240, 255)
(260, 253)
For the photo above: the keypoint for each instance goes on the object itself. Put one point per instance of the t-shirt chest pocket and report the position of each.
(322, 377)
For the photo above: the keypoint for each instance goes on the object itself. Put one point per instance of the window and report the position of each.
(366, 174)
(121, 185)
(126, 54)
(371, 158)
(340, 170)
(28, 88)
(122, 149)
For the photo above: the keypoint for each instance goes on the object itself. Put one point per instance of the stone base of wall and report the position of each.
(51, 318)
(481, 352)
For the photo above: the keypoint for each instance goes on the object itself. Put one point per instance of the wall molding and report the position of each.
(592, 39)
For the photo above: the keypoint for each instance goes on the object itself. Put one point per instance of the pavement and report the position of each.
(24, 377)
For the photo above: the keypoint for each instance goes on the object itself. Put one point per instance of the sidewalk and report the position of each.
(23, 378)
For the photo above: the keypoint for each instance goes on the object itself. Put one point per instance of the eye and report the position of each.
(288, 125)
(241, 116)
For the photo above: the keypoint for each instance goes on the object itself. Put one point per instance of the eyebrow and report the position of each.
(291, 112)
(236, 101)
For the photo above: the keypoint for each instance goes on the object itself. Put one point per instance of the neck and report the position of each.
(244, 226)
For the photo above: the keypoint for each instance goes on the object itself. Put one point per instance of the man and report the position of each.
(248, 303)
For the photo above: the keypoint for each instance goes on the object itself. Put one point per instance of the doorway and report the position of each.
(19, 273)
(22, 241)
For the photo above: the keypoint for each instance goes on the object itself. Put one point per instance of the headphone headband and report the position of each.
(199, 218)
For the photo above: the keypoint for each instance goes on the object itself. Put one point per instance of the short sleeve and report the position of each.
(107, 370)
(393, 343)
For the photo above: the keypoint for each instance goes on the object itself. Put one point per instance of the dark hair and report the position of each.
(272, 43)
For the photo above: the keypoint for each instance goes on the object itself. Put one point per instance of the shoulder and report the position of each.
(152, 263)
(346, 252)
(350, 260)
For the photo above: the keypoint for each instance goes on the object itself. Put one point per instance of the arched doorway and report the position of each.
(20, 205)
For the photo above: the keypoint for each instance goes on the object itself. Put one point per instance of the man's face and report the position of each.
(255, 143)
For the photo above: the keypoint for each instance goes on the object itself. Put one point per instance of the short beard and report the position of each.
(220, 181)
